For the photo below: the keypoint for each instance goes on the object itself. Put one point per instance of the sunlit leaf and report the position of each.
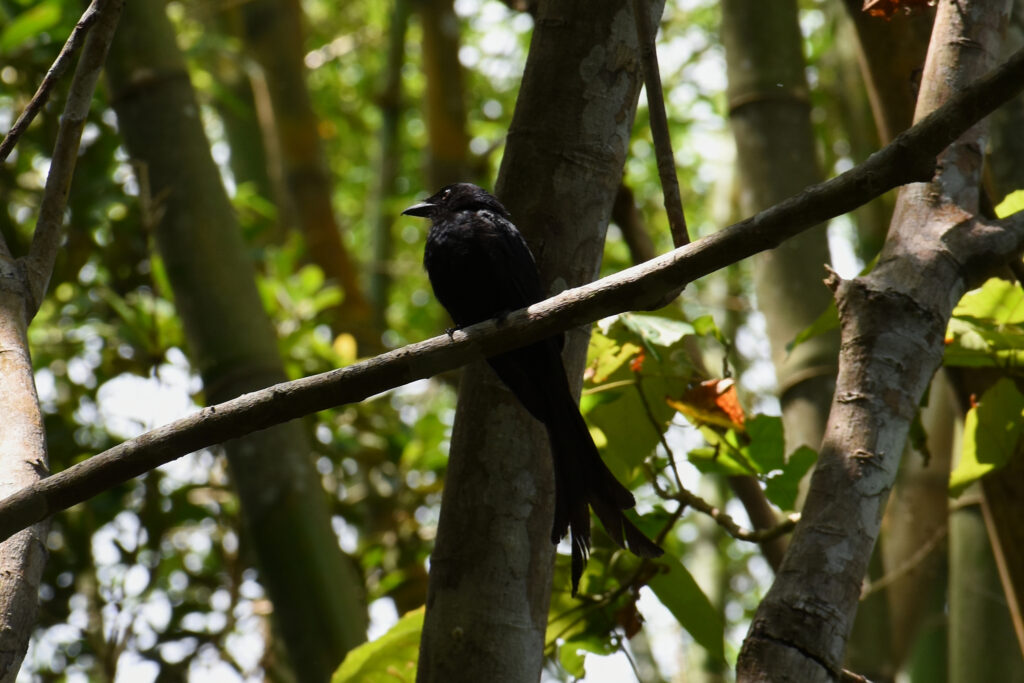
(392, 657)
(999, 301)
(783, 487)
(630, 421)
(723, 454)
(1011, 204)
(657, 332)
(705, 326)
(683, 597)
(767, 449)
(976, 342)
(29, 23)
(993, 430)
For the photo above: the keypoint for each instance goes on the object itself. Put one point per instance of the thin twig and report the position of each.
(659, 126)
(46, 240)
(56, 71)
(725, 521)
(688, 499)
(657, 428)
(909, 565)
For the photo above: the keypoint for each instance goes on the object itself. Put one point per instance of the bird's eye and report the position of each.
(447, 193)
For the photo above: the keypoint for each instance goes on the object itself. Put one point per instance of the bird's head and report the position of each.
(453, 198)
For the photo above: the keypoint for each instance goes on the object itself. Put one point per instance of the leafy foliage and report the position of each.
(987, 328)
(993, 433)
(392, 657)
(156, 574)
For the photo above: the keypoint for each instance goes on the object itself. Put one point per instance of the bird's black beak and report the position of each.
(423, 209)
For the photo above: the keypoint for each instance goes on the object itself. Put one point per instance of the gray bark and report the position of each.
(491, 568)
(316, 593)
(893, 324)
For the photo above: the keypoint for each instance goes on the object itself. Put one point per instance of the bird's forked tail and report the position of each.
(582, 479)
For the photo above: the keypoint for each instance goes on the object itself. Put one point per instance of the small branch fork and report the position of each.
(54, 74)
(96, 30)
(686, 498)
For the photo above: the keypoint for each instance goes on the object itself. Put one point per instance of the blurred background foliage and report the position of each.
(153, 580)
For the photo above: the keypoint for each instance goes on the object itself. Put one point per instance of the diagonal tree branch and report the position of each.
(58, 69)
(46, 240)
(893, 321)
(909, 158)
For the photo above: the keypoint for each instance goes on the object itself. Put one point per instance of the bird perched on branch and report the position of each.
(480, 268)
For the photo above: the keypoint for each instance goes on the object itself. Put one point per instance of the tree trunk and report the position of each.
(317, 595)
(982, 646)
(892, 55)
(916, 523)
(274, 35)
(23, 461)
(770, 116)
(23, 284)
(445, 99)
(389, 157)
(893, 325)
(490, 577)
(892, 59)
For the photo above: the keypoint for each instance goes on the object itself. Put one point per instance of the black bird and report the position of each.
(480, 268)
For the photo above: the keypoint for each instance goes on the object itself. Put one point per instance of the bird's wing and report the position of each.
(512, 261)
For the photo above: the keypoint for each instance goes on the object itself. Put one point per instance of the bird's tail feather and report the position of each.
(582, 479)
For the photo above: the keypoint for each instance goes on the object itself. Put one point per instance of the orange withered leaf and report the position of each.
(714, 401)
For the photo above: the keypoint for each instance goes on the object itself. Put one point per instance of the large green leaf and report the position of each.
(1012, 203)
(634, 353)
(783, 487)
(982, 343)
(656, 332)
(725, 453)
(766, 449)
(391, 658)
(992, 435)
(678, 591)
(998, 300)
(987, 327)
(28, 24)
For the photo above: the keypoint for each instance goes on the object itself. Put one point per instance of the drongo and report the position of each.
(480, 268)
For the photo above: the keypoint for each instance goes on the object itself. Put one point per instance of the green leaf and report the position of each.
(656, 331)
(29, 24)
(767, 449)
(981, 343)
(683, 597)
(997, 301)
(782, 488)
(631, 428)
(705, 326)
(992, 435)
(572, 660)
(606, 356)
(1012, 203)
(390, 658)
(721, 455)
(826, 322)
